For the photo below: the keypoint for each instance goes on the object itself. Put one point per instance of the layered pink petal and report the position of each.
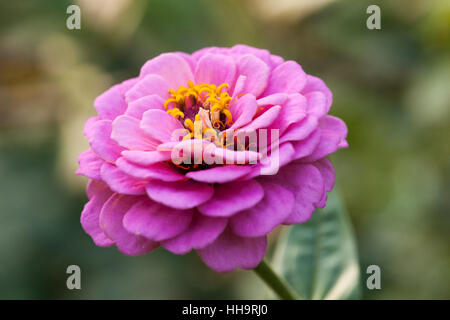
(256, 71)
(111, 221)
(160, 125)
(89, 165)
(232, 197)
(333, 133)
(201, 232)
(128, 134)
(146, 158)
(91, 213)
(112, 103)
(288, 77)
(170, 66)
(155, 221)
(243, 110)
(221, 174)
(101, 143)
(229, 252)
(265, 216)
(161, 170)
(121, 182)
(306, 184)
(151, 84)
(138, 107)
(215, 69)
(180, 195)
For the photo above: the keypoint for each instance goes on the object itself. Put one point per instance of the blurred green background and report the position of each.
(391, 86)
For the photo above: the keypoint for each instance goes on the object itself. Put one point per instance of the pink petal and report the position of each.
(145, 158)
(215, 69)
(151, 84)
(272, 100)
(111, 103)
(232, 197)
(243, 110)
(220, 174)
(307, 146)
(333, 132)
(90, 165)
(264, 120)
(155, 221)
(200, 233)
(162, 170)
(88, 125)
(265, 216)
(127, 133)
(256, 71)
(101, 143)
(180, 195)
(111, 218)
(138, 107)
(300, 130)
(91, 213)
(316, 84)
(307, 185)
(170, 66)
(121, 182)
(288, 77)
(230, 252)
(292, 111)
(317, 103)
(160, 125)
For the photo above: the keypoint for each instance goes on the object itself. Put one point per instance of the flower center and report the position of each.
(200, 108)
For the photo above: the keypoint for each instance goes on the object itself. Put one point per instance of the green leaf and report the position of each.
(319, 258)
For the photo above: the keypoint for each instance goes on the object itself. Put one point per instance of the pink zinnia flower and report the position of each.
(140, 198)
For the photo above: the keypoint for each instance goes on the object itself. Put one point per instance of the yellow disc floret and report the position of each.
(205, 104)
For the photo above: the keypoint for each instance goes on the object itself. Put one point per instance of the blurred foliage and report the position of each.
(391, 86)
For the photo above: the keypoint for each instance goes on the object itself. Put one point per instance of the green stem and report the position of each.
(277, 284)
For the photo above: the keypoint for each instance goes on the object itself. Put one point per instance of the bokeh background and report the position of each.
(391, 86)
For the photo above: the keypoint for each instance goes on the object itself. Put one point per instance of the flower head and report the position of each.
(208, 152)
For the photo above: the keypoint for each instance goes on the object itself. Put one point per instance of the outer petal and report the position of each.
(121, 182)
(155, 221)
(112, 103)
(111, 218)
(230, 252)
(138, 107)
(307, 146)
(101, 142)
(90, 165)
(288, 77)
(149, 85)
(306, 183)
(300, 130)
(260, 220)
(292, 111)
(256, 71)
(316, 84)
(180, 195)
(333, 133)
(91, 213)
(160, 125)
(215, 69)
(127, 133)
(232, 197)
(200, 233)
(172, 67)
